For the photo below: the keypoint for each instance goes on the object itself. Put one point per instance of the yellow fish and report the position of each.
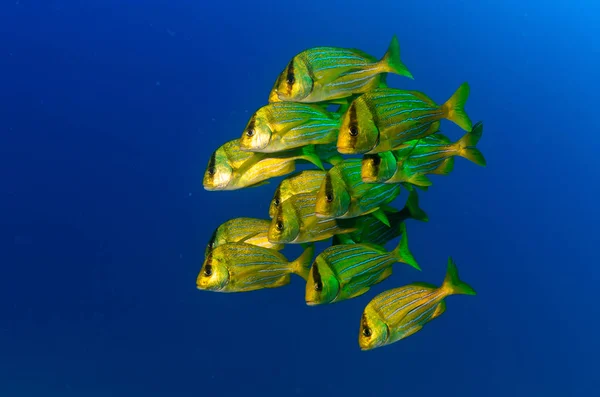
(241, 267)
(328, 73)
(385, 118)
(295, 222)
(308, 181)
(343, 194)
(288, 125)
(398, 313)
(346, 271)
(230, 168)
(430, 155)
(247, 230)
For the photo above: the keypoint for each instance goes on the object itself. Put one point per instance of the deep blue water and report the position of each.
(109, 112)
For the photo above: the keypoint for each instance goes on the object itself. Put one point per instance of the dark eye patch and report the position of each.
(317, 277)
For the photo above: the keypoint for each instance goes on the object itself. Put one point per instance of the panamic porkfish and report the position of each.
(346, 271)
(242, 230)
(371, 230)
(343, 194)
(289, 125)
(230, 168)
(327, 73)
(295, 222)
(386, 118)
(308, 181)
(241, 267)
(431, 155)
(400, 312)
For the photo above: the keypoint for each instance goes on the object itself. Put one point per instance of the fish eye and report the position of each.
(211, 171)
(250, 133)
(353, 130)
(276, 202)
(329, 197)
(208, 270)
(318, 286)
(290, 79)
(367, 332)
(279, 225)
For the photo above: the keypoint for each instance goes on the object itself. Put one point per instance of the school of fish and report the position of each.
(326, 104)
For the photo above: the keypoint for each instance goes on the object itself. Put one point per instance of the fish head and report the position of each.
(294, 83)
(275, 203)
(257, 134)
(214, 274)
(377, 167)
(273, 97)
(322, 286)
(285, 226)
(358, 132)
(373, 331)
(218, 174)
(333, 199)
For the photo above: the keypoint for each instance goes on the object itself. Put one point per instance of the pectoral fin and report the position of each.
(439, 310)
(381, 217)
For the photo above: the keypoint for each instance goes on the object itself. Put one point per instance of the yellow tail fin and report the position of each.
(454, 107)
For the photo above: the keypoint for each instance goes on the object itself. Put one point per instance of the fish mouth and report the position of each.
(311, 303)
(210, 288)
(211, 188)
(346, 150)
(280, 95)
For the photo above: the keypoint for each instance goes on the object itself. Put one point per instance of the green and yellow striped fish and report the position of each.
(431, 155)
(386, 118)
(343, 272)
(400, 312)
(327, 73)
(230, 168)
(308, 181)
(295, 222)
(242, 230)
(372, 231)
(380, 167)
(343, 194)
(288, 125)
(241, 267)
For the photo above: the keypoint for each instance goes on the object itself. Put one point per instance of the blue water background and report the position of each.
(109, 111)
